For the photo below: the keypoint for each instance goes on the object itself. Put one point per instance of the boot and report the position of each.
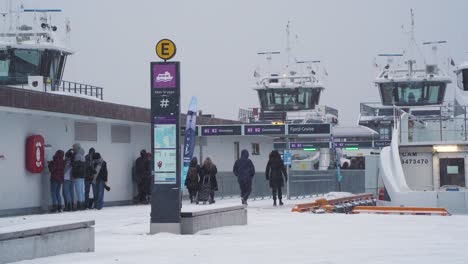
(54, 209)
(59, 208)
(74, 207)
(274, 202)
(281, 203)
(83, 206)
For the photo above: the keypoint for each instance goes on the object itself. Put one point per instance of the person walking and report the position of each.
(78, 174)
(88, 180)
(56, 169)
(192, 180)
(142, 176)
(275, 172)
(244, 170)
(100, 180)
(208, 174)
(68, 196)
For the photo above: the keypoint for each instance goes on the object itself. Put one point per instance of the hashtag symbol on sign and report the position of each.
(164, 103)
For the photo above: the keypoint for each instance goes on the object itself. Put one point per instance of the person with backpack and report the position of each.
(68, 196)
(244, 170)
(100, 180)
(275, 172)
(78, 174)
(56, 169)
(208, 176)
(89, 163)
(192, 180)
(143, 176)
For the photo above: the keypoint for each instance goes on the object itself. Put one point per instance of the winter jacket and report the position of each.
(275, 171)
(102, 175)
(142, 168)
(244, 168)
(209, 172)
(193, 178)
(89, 163)
(57, 167)
(78, 164)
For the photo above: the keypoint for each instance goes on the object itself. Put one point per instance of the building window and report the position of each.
(255, 149)
(120, 134)
(85, 131)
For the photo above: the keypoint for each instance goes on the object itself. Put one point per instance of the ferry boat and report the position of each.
(424, 162)
(33, 54)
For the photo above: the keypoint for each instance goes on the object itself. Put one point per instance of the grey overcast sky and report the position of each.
(217, 43)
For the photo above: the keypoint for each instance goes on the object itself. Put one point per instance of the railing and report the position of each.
(302, 184)
(54, 86)
(77, 88)
(447, 122)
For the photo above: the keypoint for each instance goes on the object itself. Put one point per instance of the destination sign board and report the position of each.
(382, 143)
(264, 129)
(305, 145)
(354, 144)
(221, 130)
(310, 129)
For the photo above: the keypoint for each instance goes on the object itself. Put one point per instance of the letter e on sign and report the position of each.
(166, 49)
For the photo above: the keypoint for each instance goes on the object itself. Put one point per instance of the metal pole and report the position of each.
(465, 121)
(288, 188)
(440, 122)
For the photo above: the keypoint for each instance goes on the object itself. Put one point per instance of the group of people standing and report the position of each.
(201, 181)
(77, 173)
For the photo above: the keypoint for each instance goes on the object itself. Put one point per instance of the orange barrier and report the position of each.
(400, 210)
(328, 205)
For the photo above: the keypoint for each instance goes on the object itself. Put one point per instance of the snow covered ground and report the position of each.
(273, 235)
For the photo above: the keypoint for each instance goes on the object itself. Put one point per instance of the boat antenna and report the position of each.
(412, 45)
(288, 42)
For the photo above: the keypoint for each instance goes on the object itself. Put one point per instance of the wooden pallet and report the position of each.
(328, 205)
(400, 210)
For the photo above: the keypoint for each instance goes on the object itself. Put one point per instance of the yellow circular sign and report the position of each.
(166, 49)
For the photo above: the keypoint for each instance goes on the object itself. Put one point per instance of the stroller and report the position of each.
(204, 190)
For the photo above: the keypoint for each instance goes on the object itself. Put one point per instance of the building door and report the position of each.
(452, 171)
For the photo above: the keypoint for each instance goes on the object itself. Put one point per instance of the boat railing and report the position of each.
(451, 125)
(77, 88)
(48, 85)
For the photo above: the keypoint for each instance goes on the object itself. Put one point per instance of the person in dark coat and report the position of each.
(100, 180)
(57, 170)
(244, 171)
(209, 170)
(193, 178)
(275, 172)
(142, 175)
(89, 178)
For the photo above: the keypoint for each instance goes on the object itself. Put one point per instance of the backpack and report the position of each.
(78, 169)
(192, 178)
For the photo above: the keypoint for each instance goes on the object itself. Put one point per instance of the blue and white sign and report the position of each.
(287, 158)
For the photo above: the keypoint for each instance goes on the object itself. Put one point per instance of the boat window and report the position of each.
(289, 99)
(412, 93)
(4, 64)
(26, 62)
(463, 80)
